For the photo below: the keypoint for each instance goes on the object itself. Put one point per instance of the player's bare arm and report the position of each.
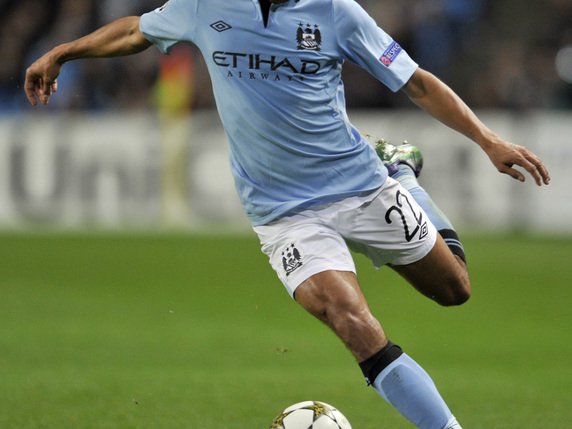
(436, 98)
(121, 37)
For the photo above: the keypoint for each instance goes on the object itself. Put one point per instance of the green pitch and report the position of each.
(196, 332)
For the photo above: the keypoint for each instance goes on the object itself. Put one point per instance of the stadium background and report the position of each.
(133, 294)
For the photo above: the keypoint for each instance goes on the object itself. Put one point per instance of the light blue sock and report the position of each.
(406, 386)
(406, 177)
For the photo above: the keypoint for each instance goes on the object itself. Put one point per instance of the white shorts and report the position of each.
(387, 226)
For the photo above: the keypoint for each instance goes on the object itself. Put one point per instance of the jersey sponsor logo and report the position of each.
(220, 26)
(248, 61)
(390, 54)
(406, 212)
(309, 38)
(291, 259)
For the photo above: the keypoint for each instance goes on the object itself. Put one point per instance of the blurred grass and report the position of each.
(194, 331)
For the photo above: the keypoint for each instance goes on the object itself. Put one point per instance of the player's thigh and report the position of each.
(335, 298)
(301, 246)
(440, 275)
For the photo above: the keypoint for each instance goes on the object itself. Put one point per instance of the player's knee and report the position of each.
(352, 321)
(458, 297)
(457, 292)
(341, 306)
(349, 317)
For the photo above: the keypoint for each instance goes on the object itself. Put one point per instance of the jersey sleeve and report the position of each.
(362, 42)
(169, 24)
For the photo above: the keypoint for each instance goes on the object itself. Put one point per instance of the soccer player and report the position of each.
(308, 180)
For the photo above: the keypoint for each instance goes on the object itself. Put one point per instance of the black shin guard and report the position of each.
(373, 366)
(452, 240)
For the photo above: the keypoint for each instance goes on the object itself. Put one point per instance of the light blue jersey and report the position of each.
(280, 96)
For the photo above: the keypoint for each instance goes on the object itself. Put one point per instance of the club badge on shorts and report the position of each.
(291, 259)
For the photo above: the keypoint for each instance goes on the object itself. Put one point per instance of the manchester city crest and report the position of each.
(309, 37)
(291, 259)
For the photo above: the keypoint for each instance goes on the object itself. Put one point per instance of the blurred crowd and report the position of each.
(496, 54)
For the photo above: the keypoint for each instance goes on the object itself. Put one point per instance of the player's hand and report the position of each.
(41, 80)
(506, 155)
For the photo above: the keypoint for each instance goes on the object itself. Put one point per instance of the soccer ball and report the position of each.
(310, 415)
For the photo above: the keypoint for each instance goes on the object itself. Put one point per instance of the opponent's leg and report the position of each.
(335, 298)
